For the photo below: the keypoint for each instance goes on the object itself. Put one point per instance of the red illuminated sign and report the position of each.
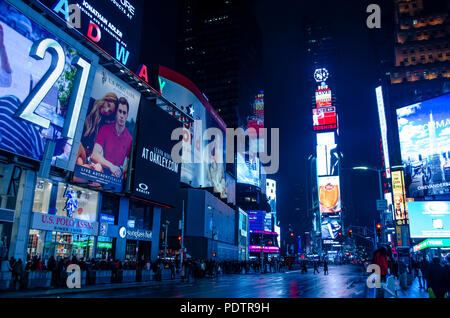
(324, 118)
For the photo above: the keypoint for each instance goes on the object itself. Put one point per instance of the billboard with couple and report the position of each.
(104, 153)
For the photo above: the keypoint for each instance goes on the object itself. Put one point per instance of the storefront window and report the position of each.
(65, 200)
(109, 214)
(131, 250)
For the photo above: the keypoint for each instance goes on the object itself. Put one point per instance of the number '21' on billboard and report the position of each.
(43, 81)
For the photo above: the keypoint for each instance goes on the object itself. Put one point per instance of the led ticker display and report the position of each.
(429, 219)
(324, 118)
(424, 130)
(110, 25)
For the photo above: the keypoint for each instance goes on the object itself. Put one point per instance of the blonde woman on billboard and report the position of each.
(103, 112)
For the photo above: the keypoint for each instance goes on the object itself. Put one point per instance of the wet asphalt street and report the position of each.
(344, 281)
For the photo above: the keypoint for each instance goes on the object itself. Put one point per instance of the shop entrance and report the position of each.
(144, 250)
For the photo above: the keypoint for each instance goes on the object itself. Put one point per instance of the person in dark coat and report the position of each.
(325, 267)
(436, 278)
(18, 272)
(51, 266)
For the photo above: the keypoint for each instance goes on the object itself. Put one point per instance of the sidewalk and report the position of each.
(84, 289)
(412, 291)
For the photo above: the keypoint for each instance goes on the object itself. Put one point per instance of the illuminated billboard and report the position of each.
(323, 97)
(383, 129)
(248, 170)
(199, 169)
(327, 160)
(110, 25)
(104, 153)
(424, 131)
(331, 226)
(398, 192)
(329, 194)
(153, 160)
(43, 81)
(324, 118)
(429, 219)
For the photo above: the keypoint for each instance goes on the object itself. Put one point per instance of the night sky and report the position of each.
(288, 92)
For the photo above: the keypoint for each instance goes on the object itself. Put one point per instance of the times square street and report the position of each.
(343, 281)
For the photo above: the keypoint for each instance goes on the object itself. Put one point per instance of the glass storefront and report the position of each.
(68, 202)
(108, 215)
(140, 218)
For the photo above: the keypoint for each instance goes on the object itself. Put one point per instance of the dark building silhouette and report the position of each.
(220, 50)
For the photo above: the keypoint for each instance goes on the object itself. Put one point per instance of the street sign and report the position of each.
(382, 205)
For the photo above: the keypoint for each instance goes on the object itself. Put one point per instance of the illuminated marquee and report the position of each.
(323, 97)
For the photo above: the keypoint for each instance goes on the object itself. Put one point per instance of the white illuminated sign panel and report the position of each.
(383, 128)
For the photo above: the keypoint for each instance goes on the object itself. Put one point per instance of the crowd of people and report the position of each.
(186, 270)
(433, 277)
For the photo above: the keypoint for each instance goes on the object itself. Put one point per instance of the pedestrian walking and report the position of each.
(325, 267)
(436, 280)
(316, 269)
(380, 259)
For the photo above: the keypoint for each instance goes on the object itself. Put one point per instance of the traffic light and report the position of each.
(379, 230)
(350, 232)
(292, 234)
(340, 234)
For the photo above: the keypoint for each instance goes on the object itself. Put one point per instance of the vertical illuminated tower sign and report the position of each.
(325, 126)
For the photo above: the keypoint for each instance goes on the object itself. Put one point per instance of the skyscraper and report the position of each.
(422, 53)
(220, 50)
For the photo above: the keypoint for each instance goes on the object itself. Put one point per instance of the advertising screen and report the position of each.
(398, 192)
(429, 219)
(248, 170)
(424, 130)
(331, 226)
(327, 160)
(200, 167)
(31, 110)
(323, 97)
(110, 25)
(324, 118)
(104, 152)
(153, 159)
(329, 194)
(256, 220)
(383, 129)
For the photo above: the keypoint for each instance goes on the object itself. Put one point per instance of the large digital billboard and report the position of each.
(42, 85)
(429, 219)
(331, 226)
(156, 175)
(424, 130)
(248, 169)
(324, 118)
(256, 220)
(398, 192)
(110, 25)
(329, 194)
(327, 160)
(104, 152)
(323, 97)
(201, 167)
